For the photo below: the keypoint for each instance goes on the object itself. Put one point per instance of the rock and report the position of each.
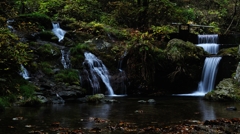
(95, 98)
(151, 101)
(225, 90)
(232, 108)
(141, 101)
(43, 99)
(110, 100)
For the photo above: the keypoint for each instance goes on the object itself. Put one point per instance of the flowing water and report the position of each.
(210, 68)
(58, 31)
(24, 72)
(166, 111)
(97, 69)
(65, 60)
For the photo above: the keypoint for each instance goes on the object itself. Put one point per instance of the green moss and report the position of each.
(48, 51)
(69, 76)
(43, 20)
(27, 90)
(46, 68)
(233, 51)
(95, 98)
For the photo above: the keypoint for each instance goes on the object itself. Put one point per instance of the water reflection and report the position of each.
(207, 110)
(94, 111)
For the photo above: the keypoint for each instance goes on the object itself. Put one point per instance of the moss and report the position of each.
(233, 51)
(69, 76)
(43, 20)
(27, 90)
(95, 98)
(30, 102)
(46, 68)
(48, 51)
(46, 35)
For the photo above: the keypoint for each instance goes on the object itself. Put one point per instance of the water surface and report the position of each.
(165, 111)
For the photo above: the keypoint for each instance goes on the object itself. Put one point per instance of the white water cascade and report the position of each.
(58, 31)
(24, 73)
(210, 68)
(209, 43)
(65, 60)
(97, 68)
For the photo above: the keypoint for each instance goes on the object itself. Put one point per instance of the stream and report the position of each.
(166, 111)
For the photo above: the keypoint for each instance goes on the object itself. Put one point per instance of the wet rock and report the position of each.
(225, 90)
(43, 99)
(151, 101)
(232, 108)
(142, 101)
(110, 100)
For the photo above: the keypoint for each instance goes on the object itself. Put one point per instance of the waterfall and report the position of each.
(209, 43)
(97, 69)
(209, 74)
(65, 60)
(210, 68)
(24, 73)
(58, 31)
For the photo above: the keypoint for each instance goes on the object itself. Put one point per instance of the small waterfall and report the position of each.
(24, 73)
(209, 43)
(9, 25)
(209, 74)
(97, 69)
(210, 68)
(65, 60)
(207, 38)
(58, 31)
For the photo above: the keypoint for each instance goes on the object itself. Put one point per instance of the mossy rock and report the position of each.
(46, 35)
(48, 51)
(226, 90)
(43, 20)
(95, 98)
(233, 51)
(178, 49)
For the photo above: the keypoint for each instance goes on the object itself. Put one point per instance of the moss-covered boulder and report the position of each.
(225, 90)
(95, 98)
(184, 64)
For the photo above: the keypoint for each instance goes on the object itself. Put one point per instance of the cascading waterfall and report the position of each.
(24, 73)
(210, 68)
(58, 31)
(208, 75)
(209, 43)
(65, 60)
(122, 75)
(97, 69)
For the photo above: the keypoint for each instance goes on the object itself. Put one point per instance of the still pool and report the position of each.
(166, 111)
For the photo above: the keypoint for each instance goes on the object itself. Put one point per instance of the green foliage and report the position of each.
(69, 76)
(46, 67)
(233, 51)
(4, 102)
(12, 52)
(83, 10)
(27, 90)
(48, 51)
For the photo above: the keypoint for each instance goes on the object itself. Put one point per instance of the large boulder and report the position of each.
(225, 90)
